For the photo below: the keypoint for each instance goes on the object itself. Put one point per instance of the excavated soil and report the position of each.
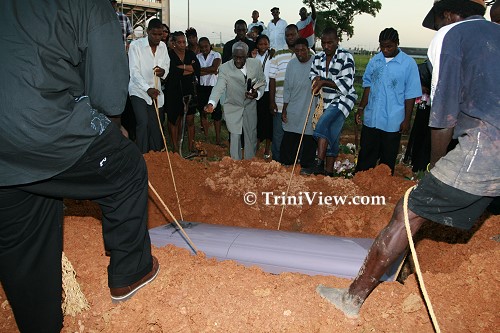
(197, 294)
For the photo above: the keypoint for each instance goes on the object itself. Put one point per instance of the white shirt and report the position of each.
(209, 79)
(141, 63)
(276, 33)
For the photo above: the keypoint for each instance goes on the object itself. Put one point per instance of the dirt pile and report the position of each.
(196, 294)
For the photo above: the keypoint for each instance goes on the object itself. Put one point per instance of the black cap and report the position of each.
(275, 8)
(439, 6)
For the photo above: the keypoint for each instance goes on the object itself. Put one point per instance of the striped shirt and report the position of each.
(125, 25)
(277, 70)
(341, 72)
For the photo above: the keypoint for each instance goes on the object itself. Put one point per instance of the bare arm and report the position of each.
(214, 69)
(440, 139)
(405, 125)
(318, 83)
(272, 95)
(362, 104)
(313, 10)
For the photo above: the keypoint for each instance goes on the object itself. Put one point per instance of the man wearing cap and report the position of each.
(276, 30)
(124, 23)
(462, 182)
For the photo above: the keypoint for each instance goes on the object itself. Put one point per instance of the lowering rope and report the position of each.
(166, 148)
(417, 265)
(296, 158)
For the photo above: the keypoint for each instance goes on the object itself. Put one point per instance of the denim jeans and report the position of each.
(329, 127)
(278, 133)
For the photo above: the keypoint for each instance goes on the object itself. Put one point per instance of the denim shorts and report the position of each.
(329, 127)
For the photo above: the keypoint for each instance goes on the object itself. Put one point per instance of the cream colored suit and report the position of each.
(240, 113)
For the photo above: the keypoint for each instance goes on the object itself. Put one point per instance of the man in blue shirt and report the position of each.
(391, 83)
(462, 182)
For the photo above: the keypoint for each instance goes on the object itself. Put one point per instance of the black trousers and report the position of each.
(112, 172)
(377, 145)
(147, 129)
(289, 146)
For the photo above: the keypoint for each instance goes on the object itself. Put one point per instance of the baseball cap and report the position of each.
(439, 6)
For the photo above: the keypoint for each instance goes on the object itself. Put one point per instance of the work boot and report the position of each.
(318, 168)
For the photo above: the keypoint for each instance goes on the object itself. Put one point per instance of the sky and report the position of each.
(215, 19)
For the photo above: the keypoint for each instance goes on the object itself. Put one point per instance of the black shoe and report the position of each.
(306, 171)
(319, 168)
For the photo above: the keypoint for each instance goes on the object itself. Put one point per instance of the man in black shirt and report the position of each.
(64, 85)
(240, 29)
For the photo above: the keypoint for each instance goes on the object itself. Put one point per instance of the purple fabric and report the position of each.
(274, 251)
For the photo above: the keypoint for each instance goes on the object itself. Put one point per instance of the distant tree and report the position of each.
(340, 13)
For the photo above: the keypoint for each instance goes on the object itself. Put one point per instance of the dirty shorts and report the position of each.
(444, 204)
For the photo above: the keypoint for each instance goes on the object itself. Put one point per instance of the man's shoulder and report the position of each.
(137, 43)
(293, 63)
(229, 43)
(344, 53)
(251, 62)
(228, 65)
(282, 52)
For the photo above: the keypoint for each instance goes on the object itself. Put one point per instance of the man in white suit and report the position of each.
(243, 82)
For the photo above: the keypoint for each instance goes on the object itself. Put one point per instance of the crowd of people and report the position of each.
(190, 69)
(66, 78)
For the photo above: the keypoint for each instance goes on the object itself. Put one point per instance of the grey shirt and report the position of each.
(52, 53)
(297, 93)
(464, 91)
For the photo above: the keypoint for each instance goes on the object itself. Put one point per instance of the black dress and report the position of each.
(179, 85)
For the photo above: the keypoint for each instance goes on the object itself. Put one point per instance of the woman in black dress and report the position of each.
(182, 78)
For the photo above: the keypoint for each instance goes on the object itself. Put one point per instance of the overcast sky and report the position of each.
(215, 18)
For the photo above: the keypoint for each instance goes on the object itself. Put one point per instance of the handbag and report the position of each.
(318, 112)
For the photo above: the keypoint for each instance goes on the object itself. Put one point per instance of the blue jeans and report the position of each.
(278, 133)
(329, 127)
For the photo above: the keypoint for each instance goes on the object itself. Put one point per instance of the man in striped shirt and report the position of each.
(332, 75)
(124, 23)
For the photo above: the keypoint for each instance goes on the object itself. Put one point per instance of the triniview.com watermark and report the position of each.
(311, 198)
